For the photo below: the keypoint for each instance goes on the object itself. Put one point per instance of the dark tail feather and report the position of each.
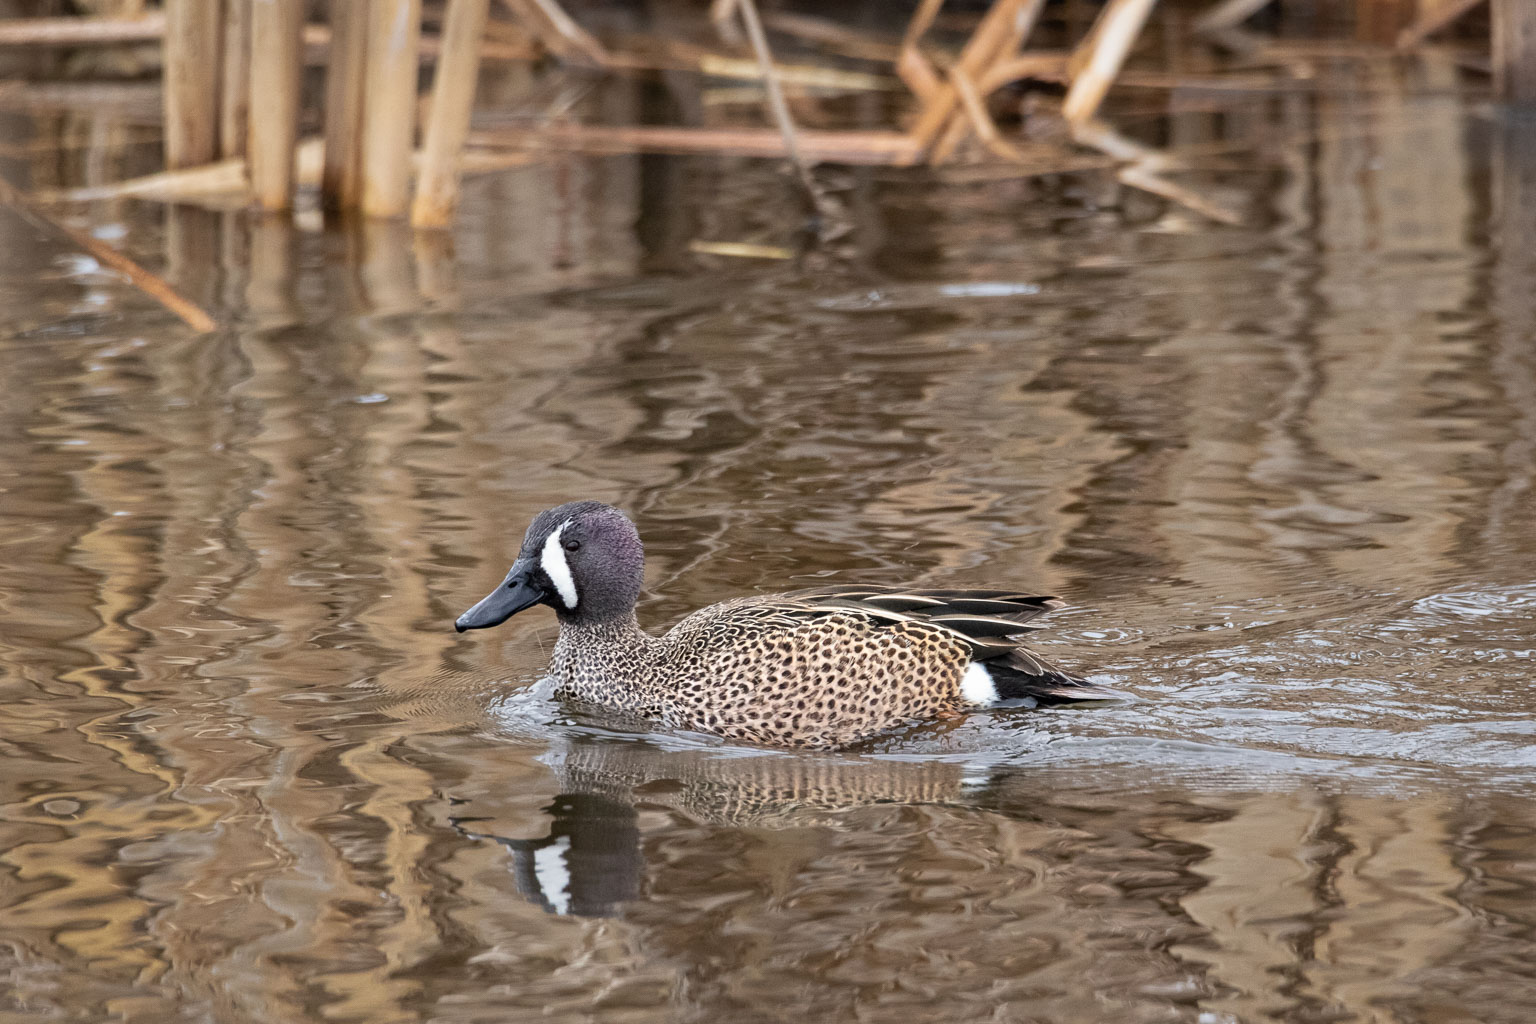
(1024, 674)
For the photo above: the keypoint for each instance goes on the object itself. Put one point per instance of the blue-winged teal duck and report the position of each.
(816, 668)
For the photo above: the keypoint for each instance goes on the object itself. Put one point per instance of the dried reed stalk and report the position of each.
(976, 109)
(341, 181)
(722, 15)
(922, 21)
(1149, 181)
(775, 90)
(235, 87)
(150, 284)
(653, 53)
(1047, 66)
(146, 28)
(741, 250)
(150, 28)
(276, 50)
(1114, 34)
(1143, 166)
(191, 94)
(832, 37)
(1434, 15)
(984, 47)
(1021, 24)
(453, 98)
(1514, 50)
(389, 111)
(803, 75)
(1228, 14)
(558, 31)
(226, 179)
(850, 147)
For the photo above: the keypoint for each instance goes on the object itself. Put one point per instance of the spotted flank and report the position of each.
(819, 668)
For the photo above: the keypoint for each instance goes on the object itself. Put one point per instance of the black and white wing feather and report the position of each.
(993, 623)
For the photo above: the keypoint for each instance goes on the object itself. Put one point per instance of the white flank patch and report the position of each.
(549, 868)
(555, 566)
(977, 686)
(975, 779)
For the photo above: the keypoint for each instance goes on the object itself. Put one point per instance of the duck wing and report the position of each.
(992, 623)
(991, 612)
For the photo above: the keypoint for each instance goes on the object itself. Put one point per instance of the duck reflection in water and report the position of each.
(592, 859)
(589, 863)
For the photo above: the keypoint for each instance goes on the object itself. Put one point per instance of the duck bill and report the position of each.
(515, 593)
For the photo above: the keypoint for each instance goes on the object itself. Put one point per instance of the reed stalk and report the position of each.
(1514, 50)
(1107, 47)
(191, 93)
(341, 182)
(235, 86)
(453, 99)
(389, 109)
(276, 61)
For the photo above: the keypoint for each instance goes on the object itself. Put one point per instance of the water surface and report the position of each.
(1281, 473)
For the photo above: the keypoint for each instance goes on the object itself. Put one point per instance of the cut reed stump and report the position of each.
(1514, 50)
(389, 110)
(453, 97)
(192, 32)
(341, 183)
(235, 91)
(276, 61)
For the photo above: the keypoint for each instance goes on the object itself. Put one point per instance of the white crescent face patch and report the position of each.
(552, 561)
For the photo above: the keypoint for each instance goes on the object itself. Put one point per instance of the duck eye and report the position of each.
(572, 545)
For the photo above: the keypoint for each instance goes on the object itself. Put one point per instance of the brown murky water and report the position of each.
(1282, 473)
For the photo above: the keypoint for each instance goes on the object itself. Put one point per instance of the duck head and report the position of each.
(583, 559)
